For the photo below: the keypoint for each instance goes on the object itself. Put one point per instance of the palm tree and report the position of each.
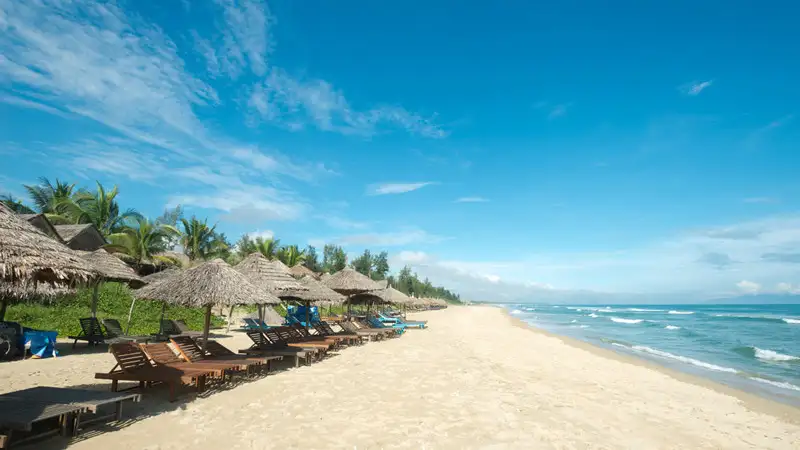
(99, 208)
(199, 241)
(143, 241)
(291, 255)
(267, 247)
(16, 205)
(49, 199)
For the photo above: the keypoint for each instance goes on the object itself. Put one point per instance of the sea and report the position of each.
(755, 348)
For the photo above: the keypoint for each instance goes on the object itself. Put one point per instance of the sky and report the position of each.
(511, 151)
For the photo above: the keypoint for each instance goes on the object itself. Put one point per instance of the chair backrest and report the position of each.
(251, 324)
(320, 329)
(214, 348)
(113, 327)
(181, 325)
(284, 334)
(257, 337)
(274, 337)
(168, 326)
(130, 356)
(91, 327)
(349, 326)
(300, 330)
(161, 353)
(188, 348)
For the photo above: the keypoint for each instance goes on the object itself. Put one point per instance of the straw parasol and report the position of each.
(28, 256)
(160, 276)
(299, 271)
(320, 294)
(32, 290)
(211, 283)
(110, 268)
(349, 282)
(272, 276)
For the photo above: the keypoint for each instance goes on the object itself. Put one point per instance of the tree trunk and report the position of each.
(230, 317)
(308, 313)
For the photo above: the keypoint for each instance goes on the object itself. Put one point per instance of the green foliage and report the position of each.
(371, 265)
(15, 205)
(334, 258)
(409, 283)
(114, 302)
(99, 207)
(143, 240)
(312, 259)
(48, 197)
(201, 242)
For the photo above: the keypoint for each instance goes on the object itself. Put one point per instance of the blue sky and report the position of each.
(508, 150)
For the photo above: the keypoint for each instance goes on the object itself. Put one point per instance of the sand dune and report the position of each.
(473, 380)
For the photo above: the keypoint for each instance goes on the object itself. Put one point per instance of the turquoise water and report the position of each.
(751, 347)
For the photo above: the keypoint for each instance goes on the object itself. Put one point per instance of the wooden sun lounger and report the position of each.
(216, 350)
(134, 365)
(388, 332)
(191, 352)
(348, 339)
(263, 346)
(92, 333)
(171, 327)
(304, 335)
(290, 337)
(377, 334)
(162, 354)
(88, 403)
(19, 415)
(114, 330)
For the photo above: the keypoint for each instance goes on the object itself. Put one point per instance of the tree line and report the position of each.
(141, 241)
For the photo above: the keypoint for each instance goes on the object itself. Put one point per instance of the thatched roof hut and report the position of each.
(112, 268)
(320, 294)
(269, 276)
(398, 298)
(349, 282)
(299, 271)
(83, 236)
(28, 255)
(211, 283)
(30, 291)
(160, 276)
(324, 276)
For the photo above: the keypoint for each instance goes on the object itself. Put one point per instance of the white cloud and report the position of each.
(395, 188)
(246, 36)
(27, 103)
(266, 234)
(386, 239)
(748, 287)
(471, 200)
(761, 200)
(296, 104)
(695, 87)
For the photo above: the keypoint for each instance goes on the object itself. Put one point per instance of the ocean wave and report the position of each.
(758, 317)
(621, 320)
(683, 359)
(791, 321)
(573, 321)
(593, 315)
(771, 355)
(780, 384)
(681, 312)
(516, 312)
(644, 310)
(583, 326)
(672, 327)
(529, 309)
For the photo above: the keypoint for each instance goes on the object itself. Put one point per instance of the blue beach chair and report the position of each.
(374, 322)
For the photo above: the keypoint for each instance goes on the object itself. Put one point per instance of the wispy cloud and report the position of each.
(297, 104)
(760, 200)
(695, 87)
(395, 188)
(779, 122)
(27, 103)
(553, 110)
(471, 200)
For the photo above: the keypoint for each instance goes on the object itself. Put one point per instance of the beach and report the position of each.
(476, 378)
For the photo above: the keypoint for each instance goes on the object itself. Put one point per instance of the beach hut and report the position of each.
(206, 285)
(29, 257)
(110, 268)
(299, 271)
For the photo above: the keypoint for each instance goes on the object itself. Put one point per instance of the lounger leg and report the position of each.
(171, 391)
(118, 411)
(114, 385)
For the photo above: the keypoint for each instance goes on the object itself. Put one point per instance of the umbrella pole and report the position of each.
(95, 294)
(161, 320)
(308, 306)
(260, 314)
(230, 316)
(206, 327)
(130, 314)
(3, 307)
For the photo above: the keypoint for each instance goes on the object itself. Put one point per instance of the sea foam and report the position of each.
(771, 355)
(621, 320)
(681, 312)
(683, 359)
(792, 321)
(780, 384)
(672, 327)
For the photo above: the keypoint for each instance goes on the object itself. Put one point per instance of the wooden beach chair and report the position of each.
(171, 327)
(263, 346)
(348, 338)
(92, 333)
(361, 331)
(114, 330)
(79, 409)
(292, 338)
(304, 335)
(192, 352)
(134, 365)
(216, 350)
(162, 354)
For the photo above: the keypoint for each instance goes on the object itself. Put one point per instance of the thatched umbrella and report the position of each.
(299, 271)
(350, 282)
(111, 268)
(160, 276)
(32, 290)
(28, 256)
(270, 276)
(206, 285)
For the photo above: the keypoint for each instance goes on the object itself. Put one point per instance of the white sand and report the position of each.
(473, 380)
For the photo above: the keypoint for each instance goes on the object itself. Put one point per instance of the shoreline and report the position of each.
(751, 401)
